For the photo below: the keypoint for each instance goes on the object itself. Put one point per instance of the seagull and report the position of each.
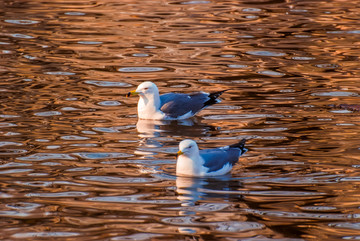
(170, 106)
(210, 162)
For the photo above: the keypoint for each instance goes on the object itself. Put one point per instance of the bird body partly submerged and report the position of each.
(210, 162)
(170, 106)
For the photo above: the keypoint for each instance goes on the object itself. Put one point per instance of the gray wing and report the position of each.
(177, 104)
(215, 159)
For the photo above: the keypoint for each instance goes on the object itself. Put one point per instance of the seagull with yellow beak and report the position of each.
(209, 162)
(170, 106)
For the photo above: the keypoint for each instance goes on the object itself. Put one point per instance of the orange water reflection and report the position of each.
(77, 164)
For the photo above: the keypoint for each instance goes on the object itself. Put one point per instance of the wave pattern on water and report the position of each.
(76, 163)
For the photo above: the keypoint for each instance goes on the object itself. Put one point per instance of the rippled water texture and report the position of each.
(76, 164)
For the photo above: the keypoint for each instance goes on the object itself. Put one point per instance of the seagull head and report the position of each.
(188, 148)
(145, 89)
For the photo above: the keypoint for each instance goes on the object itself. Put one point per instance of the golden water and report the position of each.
(75, 163)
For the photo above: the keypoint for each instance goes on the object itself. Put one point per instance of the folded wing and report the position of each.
(177, 104)
(216, 159)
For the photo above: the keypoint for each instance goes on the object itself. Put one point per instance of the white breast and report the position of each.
(188, 167)
(148, 111)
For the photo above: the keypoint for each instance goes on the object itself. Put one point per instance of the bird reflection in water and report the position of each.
(157, 128)
(199, 194)
(190, 190)
(153, 132)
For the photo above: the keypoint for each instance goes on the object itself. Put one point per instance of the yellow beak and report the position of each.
(132, 93)
(179, 153)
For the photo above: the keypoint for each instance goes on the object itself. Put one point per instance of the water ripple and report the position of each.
(203, 207)
(138, 199)
(59, 73)
(318, 208)
(293, 194)
(45, 235)
(240, 116)
(327, 66)
(295, 215)
(335, 93)
(24, 206)
(107, 83)
(90, 42)
(75, 13)
(265, 53)
(21, 21)
(140, 69)
(58, 194)
(10, 143)
(13, 214)
(109, 103)
(14, 164)
(9, 116)
(21, 36)
(102, 155)
(138, 237)
(187, 220)
(271, 73)
(13, 152)
(196, 2)
(112, 129)
(46, 156)
(237, 66)
(14, 171)
(202, 42)
(344, 32)
(48, 113)
(107, 179)
(353, 226)
(6, 124)
(302, 58)
(238, 226)
(74, 138)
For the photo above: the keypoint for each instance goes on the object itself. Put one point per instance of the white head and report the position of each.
(149, 101)
(188, 148)
(189, 162)
(147, 88)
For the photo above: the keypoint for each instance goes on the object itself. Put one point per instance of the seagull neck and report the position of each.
(151, 100)
(148, 106)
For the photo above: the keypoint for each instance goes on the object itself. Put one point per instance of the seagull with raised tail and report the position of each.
(170, 106)
(209, 162)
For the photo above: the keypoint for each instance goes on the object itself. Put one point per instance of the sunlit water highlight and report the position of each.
(77, 164)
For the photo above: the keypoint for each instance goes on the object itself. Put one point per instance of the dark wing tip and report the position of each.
(240, 144)
(213, 97)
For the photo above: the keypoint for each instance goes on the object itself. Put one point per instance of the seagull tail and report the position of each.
(213, 98)
(240, 145)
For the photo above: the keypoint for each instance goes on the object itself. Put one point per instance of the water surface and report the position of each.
(77, 164)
